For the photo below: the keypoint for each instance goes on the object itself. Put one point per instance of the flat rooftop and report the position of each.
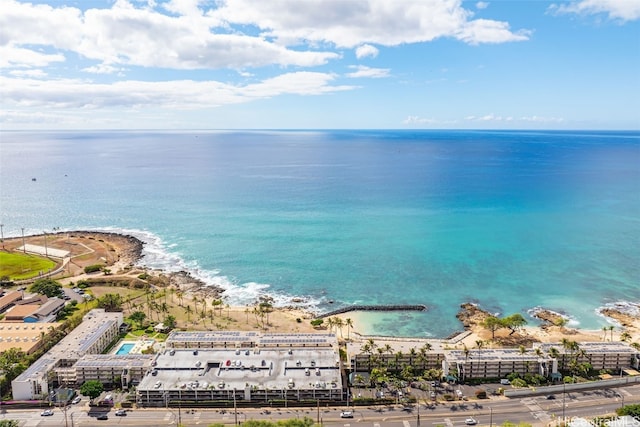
(228, 369)
(22, 335)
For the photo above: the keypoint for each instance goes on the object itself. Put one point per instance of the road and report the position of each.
(537, 411)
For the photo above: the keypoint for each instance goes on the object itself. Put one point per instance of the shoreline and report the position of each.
(127, 255)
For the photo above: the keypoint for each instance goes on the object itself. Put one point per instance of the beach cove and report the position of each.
(123, 256)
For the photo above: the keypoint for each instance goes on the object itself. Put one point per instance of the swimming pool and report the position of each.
(125, 348)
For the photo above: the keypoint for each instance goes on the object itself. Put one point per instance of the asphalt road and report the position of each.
(537, 411)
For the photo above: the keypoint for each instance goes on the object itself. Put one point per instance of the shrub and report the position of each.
(481, 394)
(93, 268)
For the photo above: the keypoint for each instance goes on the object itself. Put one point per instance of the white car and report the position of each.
(46, 413)
(470, 421)
(346, 414)
(76, 399)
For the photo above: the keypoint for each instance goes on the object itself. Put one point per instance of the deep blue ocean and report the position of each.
(510, 220)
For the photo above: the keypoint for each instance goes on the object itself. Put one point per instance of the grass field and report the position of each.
(17, 266)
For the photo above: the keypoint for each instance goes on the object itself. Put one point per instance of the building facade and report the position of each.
(97, 330)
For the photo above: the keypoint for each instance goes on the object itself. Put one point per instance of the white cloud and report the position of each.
(482, 5)
(623, 10)
(103, 69)
(128, 35)
(180, 94)
(363, 71)
(417, 120)
(366, 50)
(527, 119)
(488, 31)
(236, 34)
(539, 119)
(13, 56)
(349, 23)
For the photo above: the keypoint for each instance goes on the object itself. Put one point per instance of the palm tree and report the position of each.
(203, 316)
(180, 296)
(479, 344)
(339, 324)
(189, 310)
(625, 336)
(611, 330)
(604, 333)
(635, 345)
(366, 348)
(349, 324)
(330, 324)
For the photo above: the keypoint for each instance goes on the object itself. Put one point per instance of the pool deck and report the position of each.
(138, 345)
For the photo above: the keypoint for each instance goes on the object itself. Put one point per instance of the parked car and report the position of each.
(505, 381)
(551, 397)
(76, 399)
(46, 413)
(346, 414)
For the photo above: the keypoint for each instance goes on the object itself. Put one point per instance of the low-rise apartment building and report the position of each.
(97, 330)
(244, 366)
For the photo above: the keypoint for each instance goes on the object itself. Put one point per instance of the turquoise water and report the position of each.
(125, 348)
(510, 220)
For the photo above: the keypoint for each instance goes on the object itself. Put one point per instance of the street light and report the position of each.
(24, 246)
(490, 416)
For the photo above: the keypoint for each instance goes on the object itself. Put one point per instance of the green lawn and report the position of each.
(19, 266)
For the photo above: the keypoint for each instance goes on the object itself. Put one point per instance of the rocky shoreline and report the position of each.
(129, 251)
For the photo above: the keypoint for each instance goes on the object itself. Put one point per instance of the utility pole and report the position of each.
(24, 246)
(2, 234)
(564, 389)
(235, 407)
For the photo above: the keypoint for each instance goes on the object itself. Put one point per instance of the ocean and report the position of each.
(511, 220)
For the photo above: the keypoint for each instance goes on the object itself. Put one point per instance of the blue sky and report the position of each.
(401, 64)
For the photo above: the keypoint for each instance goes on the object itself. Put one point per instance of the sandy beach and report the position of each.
(123, 256)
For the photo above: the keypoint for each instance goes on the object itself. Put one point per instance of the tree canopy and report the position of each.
(138, 317)
(48, 287)
(110, 302)
(633, 410)
(12, 364)
(513, 322)
(92, 388)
